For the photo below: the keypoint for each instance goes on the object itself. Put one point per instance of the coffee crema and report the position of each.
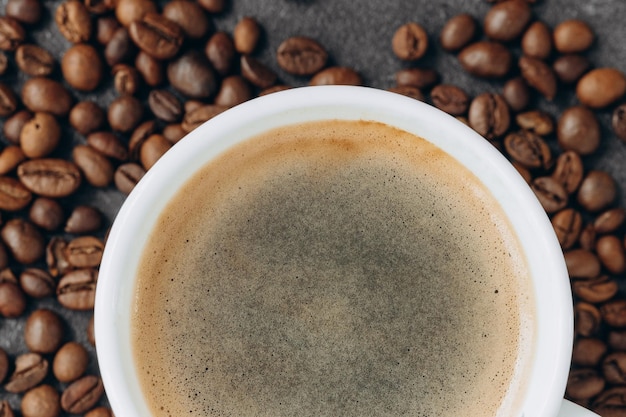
(334, 268)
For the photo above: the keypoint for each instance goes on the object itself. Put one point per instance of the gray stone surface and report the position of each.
(356, 33)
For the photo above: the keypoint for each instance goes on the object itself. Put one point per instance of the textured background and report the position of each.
(357, 33)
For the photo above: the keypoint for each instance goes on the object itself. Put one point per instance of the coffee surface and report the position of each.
(332, 269)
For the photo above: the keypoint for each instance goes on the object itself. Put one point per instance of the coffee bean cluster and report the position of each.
(171, 70)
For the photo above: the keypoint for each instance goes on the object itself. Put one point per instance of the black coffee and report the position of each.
(333, 269)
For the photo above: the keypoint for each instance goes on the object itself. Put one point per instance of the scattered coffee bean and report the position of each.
(40, 135)
(588, 352)
(583, 384)
(614, 313)
(173, 132)
(567, 225)
(70, 362)
(56, 257)
(14, 124)
(125, 113)
(597, 191)
(409, 91)
(91, 335)
(410, 42)
(246, 35)
(486, 59)
(151, 69)
(156, 35)
(569, 171)
(40, 94)
(220, 51)
(120, 48)
(42, 401)
(83, 219)
(421, 78)
(105, 28)
(127, 176)
(587, 239)
(550, 194)
(86, 117)
(617, 339)
(152, 149)
(516, 94)
(4, 63)
(99, 6)
(100, 412)
(213, 6)
(572, 36)
(10, 158)
(610, 220)
(611, 403)
(46, 213)
(539, 75)
(234, 90)
(489, 115)
(84, 252)
(37, 283)
(537, 41)
(595, 290)
(189, 16)
(77, 289)
(601, 87)
(336, 76)
(256, 72)
(12, 34)
(139, 136)
(126, 79)
(43, 331)
(73, 21)
(5, 409)
(528, 149)
(30, 370)
(535, 121)
(578, 130)
(12, 300)
(569, 68)
(507, 20)
(4, 366)
(13, 195)
(582, 263)
(23, 240)
(82, 67)
(587, 319)
(191, 74)
(24, 11)
(611, 253)
(457, 32)
(128, 11)
(108, 144)
(618, 122)
(450, 99)
(49, 177)
(301, 56)
(33, 60)
(82, 395)
(8, 101)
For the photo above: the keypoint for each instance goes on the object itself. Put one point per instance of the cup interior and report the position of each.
(135, 220)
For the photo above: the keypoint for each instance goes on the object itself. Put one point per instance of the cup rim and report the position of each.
(134, 221)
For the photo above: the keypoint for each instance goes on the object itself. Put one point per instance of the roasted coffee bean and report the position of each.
(150, 69)
(33, 60)
(410, 42)
(550, 193)
(83, 219)
(614, 313)
(84, 252)
(582, 263)
(4, 366)
(595, 290)
(73, 21)
(41, 94)
(8, 101)
(105, 28)
(120, 48)
(82, 67)
(86, 117)
(569, 68)
(597, 191)
(96, 168)
(256, 72)
(12, 300)
(450, 99)
(156, 35)
(82, 395)
(583, 384)
(50, 177)
(234, 90)
(421, 78)
(569, 171)
(213, 6)
(30, 370)
(610, 403)
(43, 331)
(489, 115)
(336, 76)
(516, 94)
(538, 75)
(24, 11)
(601, 87)
(191, 74)
(535, 121)
(617, 339)
(567, 225)
(56, 257)
(191, 105)
(70, 362)
(614, 368)
(127, 11)
(100, 412)
(125, 113)
(200, 115)
(409, 91)
(153, 148)
(91, 335)
(42, 401)
(572, 36)
(23, 240)
(537, 41)
(528, 149)
(13, 195)
(140, 134)
(486, 59)
(507, 20)
(40, 135)
(246, 35)
(189, 16)
(611, 254)
(12, 33)
(587, 238)
(220, 51)
(127, 176)
(165, 105)
(173, 132)
(618, 122)
(77, 289)
(5, 409)
(4, 63)
(578, 130)
(37, 283)
(108, 144)
(457, 32)
(126, 79)
(13, 125)
(610, 220)
(301, 56)
(587, 319)
(99, 6)
(588, 351)
(10, 158)
(523, 171)
(46, 213)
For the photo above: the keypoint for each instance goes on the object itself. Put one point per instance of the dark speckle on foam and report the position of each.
(338, 268)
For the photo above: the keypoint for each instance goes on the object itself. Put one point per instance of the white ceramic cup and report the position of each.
(554, 312)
